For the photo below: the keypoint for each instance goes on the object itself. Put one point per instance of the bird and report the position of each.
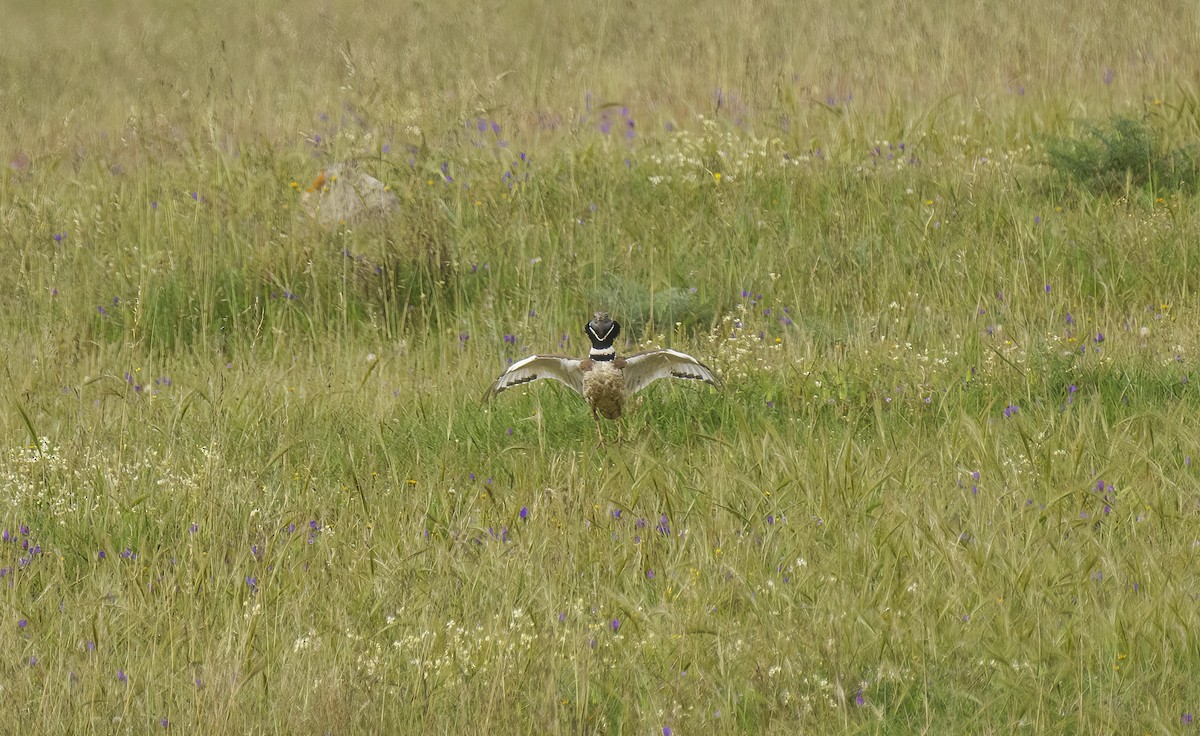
(605, 379)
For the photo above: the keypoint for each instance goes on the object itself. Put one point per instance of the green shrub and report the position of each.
(1123, 153)
(640, 308)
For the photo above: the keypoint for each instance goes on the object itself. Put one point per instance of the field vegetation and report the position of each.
(945, 257)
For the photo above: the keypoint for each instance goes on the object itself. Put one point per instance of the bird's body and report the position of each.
(604, 379)
(604, 386)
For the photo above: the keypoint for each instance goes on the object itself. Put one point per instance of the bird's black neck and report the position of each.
(602, 352)
(602, 332)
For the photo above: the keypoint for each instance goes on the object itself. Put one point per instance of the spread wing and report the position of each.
(559, 367)
(642, 369)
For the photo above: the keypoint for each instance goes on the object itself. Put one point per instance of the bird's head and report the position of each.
(602, 331)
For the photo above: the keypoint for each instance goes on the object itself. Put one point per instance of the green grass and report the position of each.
(250, 487)
(1122, 154)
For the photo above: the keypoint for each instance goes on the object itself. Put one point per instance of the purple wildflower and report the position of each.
(664, 526)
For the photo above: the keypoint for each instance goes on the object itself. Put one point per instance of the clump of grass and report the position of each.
(1124, 153)
(641, 308)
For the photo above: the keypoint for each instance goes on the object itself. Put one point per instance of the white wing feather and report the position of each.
(558, 367)
(642, 369)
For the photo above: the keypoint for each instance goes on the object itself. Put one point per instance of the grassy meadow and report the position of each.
(943, 255)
